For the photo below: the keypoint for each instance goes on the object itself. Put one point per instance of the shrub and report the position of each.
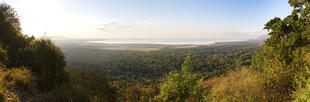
(95, 85)
(65, 93)
(303, 94)
(240, 86)
(177, 87)
(3, 55)
(47, 63)
(180, 85)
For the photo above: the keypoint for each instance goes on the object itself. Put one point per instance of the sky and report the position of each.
(148, 19)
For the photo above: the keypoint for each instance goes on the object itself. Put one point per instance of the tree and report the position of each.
(178, 86)
(47, 62)
(40, 55)
(9, 24)
(187, 66)
(281, 59)
(95, 85)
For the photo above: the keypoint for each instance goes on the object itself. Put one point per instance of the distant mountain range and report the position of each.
(262, 38)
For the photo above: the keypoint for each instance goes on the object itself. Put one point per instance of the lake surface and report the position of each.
(162, 41)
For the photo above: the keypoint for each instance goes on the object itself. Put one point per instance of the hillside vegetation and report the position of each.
(35, 69)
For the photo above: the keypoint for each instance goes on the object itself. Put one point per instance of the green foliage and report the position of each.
(282, 60)
(137, 74)
(11, 38)
(48, 63)
(9, 26)
(187, 66)
(177, 86)
(181, 86)
(280, 68)
(303, 94)
(16, 51)
(40, 55)
(137, 66)
(258, 61)
(299, 3)
(3, 55)
(95, 85)
(66, 93)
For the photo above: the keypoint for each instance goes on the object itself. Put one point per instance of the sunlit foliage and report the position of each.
(282, 59)
(238, 86)
(180, 86)
(10, 80)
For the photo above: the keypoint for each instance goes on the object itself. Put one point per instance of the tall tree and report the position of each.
(178, 86)
(9, 24)
(282, 59)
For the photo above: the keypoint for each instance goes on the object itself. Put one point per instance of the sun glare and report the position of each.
(40, 16)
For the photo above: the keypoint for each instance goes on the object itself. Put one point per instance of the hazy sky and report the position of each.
(152, 19)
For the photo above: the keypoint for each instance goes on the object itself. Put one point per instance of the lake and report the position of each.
(162, 41)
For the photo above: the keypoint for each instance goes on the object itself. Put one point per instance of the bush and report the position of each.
(96, 86)
(180, 85)
(303, 94)
(177, 87)
(238, 86)
(48, 62)
(3, 55)
(65, 93)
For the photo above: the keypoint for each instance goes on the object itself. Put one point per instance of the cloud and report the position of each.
(101, 29)
(124, 26)
(106, 26)
(111, 23)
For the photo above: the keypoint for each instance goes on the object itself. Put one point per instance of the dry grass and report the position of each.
(10, 80)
